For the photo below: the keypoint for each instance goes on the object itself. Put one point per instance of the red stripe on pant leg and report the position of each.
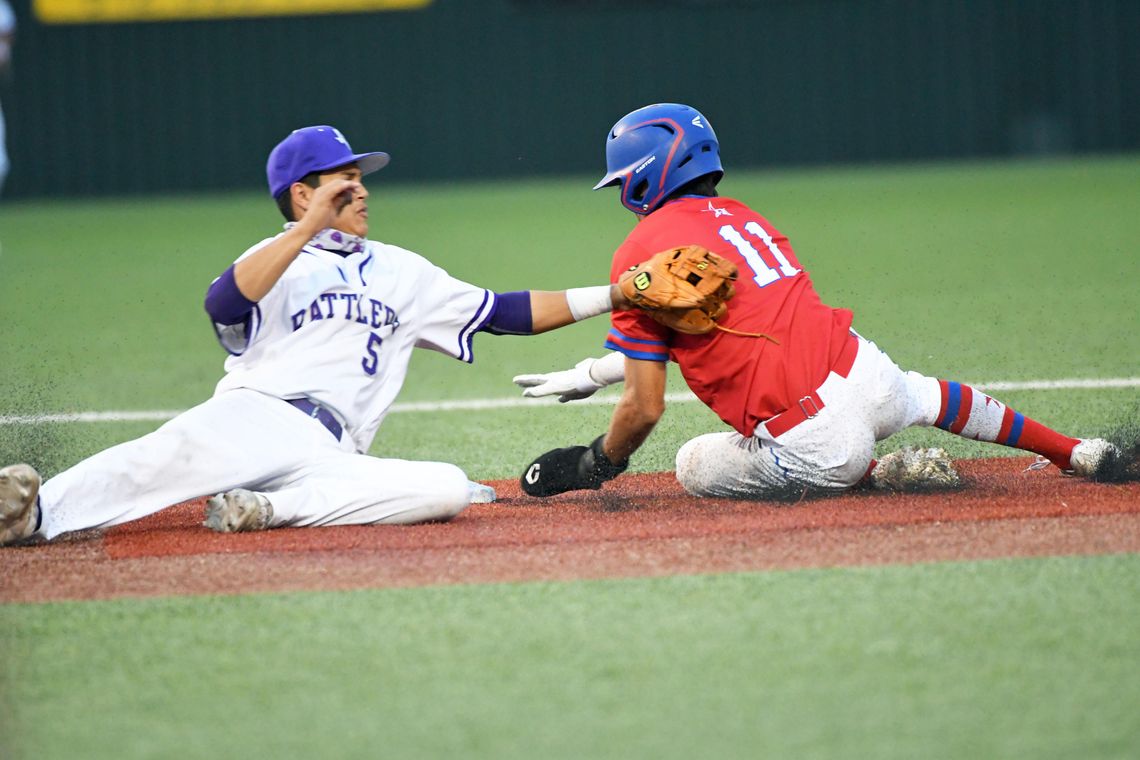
(963, 409)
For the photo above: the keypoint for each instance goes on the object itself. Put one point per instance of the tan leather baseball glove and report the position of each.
(683, 288)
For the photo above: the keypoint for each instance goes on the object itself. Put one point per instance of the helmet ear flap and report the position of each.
(637, 194)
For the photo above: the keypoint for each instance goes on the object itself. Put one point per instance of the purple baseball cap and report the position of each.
(314, 149)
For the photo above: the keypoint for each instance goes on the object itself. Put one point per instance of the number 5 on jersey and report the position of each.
(372, 361)
(763, 274)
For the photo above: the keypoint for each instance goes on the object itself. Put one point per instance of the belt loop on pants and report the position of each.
(810, 405)
(319, 413)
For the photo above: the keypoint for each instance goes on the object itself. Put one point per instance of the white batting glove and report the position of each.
(583, 381)
(569, 384)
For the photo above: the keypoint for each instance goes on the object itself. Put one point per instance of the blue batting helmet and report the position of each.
(655, 150)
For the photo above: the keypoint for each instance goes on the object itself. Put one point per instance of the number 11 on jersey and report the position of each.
(764, 274)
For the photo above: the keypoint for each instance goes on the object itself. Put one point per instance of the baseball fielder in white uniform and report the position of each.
(320, 323)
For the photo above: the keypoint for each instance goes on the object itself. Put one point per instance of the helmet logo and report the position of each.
(641, 281)
(697, 121)
(644, 164)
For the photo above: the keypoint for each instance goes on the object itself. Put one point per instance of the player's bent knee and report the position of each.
(454, 494)
(692, 471)
(440, 494)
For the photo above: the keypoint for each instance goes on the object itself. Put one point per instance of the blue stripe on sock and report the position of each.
(1015, 429)
(953, 403)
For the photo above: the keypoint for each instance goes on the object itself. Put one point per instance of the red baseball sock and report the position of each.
(973, 414)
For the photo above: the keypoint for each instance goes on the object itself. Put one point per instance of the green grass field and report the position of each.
(978, 272)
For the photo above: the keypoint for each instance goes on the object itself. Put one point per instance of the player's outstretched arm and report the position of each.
(529, 312)
(583, 380)
(553, 309)
(578, 467)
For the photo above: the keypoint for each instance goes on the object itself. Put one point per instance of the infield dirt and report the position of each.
(639, 525)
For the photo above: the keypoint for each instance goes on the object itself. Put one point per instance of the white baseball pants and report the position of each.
(831, 451)
(245, 439)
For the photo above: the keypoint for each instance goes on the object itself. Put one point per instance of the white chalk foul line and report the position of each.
(477, 404)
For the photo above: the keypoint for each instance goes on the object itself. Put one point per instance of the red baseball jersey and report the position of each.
(745, 380)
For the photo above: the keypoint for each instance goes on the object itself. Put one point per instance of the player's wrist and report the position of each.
(608, 370)
(618, 298)
(570, 469)
(589, 302)
(582, 376)
(603, 467)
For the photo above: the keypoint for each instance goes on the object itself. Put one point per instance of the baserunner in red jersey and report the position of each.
(806, 396)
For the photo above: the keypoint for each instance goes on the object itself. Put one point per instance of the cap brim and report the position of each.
(367, 162)
(613, 178)
(370, 162)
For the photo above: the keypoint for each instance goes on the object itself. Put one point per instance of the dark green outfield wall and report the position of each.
(491, 88)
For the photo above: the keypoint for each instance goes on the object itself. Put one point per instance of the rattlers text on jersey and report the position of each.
(339, 328)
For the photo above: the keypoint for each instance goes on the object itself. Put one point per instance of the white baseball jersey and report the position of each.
(335, 329)
(341, 329)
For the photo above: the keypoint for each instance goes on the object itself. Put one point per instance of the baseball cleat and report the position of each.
(478, 493)
(910, 469)
(238, 511)
(19, 487)
(1093, 458)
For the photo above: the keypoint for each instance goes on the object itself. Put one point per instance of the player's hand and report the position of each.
(568, 384)
(570, 469)
(327, 201)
